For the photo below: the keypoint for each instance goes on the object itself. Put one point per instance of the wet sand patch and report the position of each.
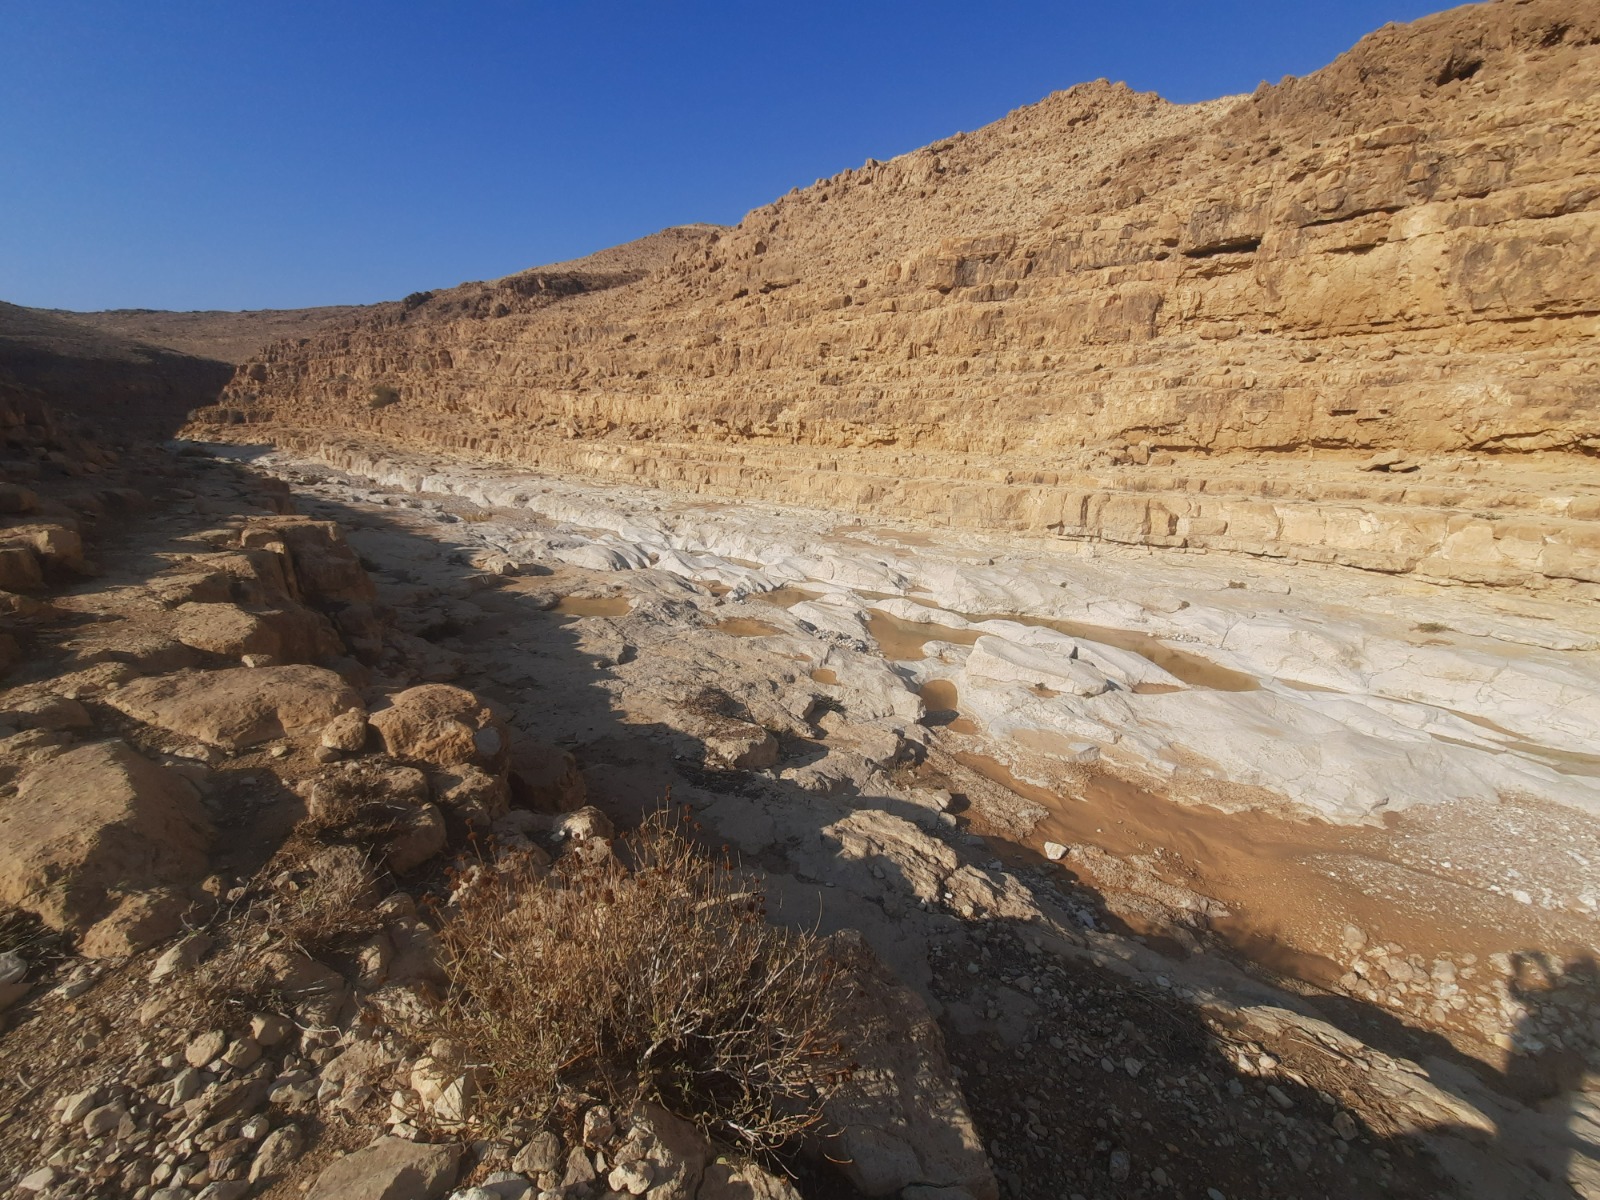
(1193, 669)
(1292, 885)
(746, 627)
(785, 597)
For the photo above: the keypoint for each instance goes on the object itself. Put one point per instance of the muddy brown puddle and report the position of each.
(1192, 669)
(592, 606)
(904, 641)
(942, 700)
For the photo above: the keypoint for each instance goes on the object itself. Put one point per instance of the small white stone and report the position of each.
(103, 1120)
(244, 1052)
(186, 1085)
(270, 1029)
(634, 1178)
(77, 1106)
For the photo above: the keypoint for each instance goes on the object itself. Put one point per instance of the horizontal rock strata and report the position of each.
(1104, 316)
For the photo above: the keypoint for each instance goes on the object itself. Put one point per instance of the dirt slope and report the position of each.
(120, 387)
(230, 337)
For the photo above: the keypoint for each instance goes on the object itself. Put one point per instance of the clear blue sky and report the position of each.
(279, 153)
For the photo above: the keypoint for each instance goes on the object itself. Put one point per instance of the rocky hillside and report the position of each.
(137, 372)
(119, 384)
(1104, 316)
(226, 956)
(230, 337)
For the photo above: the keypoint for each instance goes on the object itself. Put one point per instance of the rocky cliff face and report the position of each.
(1104, 316)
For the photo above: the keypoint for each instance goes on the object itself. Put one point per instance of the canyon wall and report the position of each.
(1346, 318)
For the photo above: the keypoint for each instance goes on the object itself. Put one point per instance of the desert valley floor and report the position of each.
(1215, 772)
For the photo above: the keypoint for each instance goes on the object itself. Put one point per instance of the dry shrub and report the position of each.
(22, 933)
(355, 820)
(312, 899)
(656, 980)
(318, 900)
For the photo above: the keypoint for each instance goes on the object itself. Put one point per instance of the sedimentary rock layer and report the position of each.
(1104, 315)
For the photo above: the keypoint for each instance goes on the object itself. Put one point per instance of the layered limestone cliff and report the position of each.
(1104, 316)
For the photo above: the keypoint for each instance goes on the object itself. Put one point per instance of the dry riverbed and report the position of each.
(1372, 800)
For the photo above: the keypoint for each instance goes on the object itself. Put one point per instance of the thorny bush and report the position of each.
(650, 975)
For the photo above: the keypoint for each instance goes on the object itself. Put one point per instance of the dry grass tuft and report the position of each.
(657, 980)
(317, 901)
(355, 820)
(309, 899)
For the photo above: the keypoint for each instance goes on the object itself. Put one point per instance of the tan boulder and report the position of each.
(138, 921)
(57, 547)
(125, 642)
(738, 1180)
(740, 745)
(471, 794)
(14, 498)
(226, 629)
(240, 706)
(445, 726)
(20, 570)
(342, 792)
(902, 1119)
(389, 1169)
(321, 569)
(25, 608)
(290, 634)
(382, 804)
(44, 711)
(546, 777)
(347, 732)
(92, 822)
(420, 837)
(325, 569)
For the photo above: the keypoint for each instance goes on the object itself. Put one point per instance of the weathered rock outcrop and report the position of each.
(96, 821)
(238, 707)
(1105, 316)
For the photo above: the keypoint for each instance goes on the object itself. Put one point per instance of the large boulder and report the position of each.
(57, 547)
(324, 572)
(94, 822)
(444, 726)
(546, 777)
(390, 1169)
(292, 633)
(238, 707)
(19, 569)
(346, 788)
